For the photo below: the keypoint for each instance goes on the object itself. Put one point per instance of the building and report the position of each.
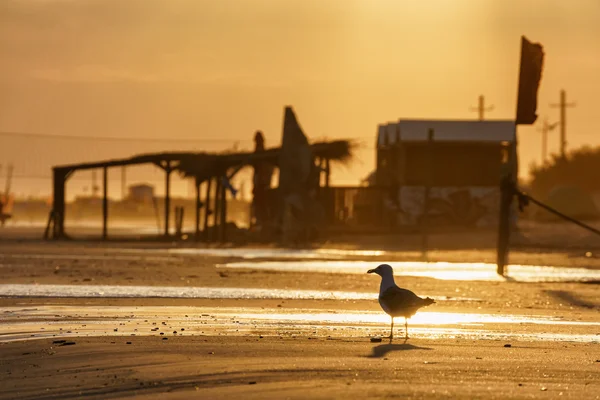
(456, 164)
(142, 193)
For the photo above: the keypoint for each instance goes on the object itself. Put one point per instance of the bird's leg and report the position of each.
(405, 328)
(392, 330)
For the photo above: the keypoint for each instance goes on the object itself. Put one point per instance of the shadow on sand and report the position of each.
(571, 298)
(383, 349)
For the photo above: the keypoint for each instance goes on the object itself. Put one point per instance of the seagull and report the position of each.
(395, 301)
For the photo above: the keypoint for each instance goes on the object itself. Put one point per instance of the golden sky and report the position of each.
(222, 69)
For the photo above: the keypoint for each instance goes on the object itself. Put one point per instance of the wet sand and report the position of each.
(310, 347)
(296, 368)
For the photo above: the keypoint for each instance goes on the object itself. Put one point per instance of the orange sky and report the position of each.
(222, 69)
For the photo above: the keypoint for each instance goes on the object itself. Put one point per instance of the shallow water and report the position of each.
(54, 321)
(436, 270)
(299, 254)
(137, 256)
(107, 291)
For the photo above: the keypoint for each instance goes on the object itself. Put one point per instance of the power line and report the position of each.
(114, 138)
(132, 139)
(78, 178)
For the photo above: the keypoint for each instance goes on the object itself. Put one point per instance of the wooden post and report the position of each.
(506, 195)
(216, 210)
(167, 169)
(327, 172)
(197, 236)
(59, 177)
(223, 225)
(105, 203)
(207, 208)
(428, 184)
(181, 219)
(176, 218)
(178, 221)
(321, 171)
(49, 225)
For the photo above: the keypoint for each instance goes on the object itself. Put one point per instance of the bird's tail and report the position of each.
(427, 301)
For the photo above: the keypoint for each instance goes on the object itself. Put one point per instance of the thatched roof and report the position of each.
(206, 165)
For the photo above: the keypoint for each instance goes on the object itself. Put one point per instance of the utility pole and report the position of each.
(546, 127)
(563, 121)
(481, 109)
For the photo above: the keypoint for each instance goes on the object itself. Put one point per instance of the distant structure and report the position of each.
(141, 193)
(445, 172)
(213, 171)
(299, 211)
(261, 183)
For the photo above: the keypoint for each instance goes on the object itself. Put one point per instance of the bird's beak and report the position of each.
(371, 271)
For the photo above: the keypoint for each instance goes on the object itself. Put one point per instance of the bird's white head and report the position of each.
(384, 270)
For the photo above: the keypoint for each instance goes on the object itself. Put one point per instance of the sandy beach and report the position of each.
(124, 320)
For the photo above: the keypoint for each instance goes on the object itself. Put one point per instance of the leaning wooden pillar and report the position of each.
(167, 169)
(207, 208)
(59, 177)
(105, 203)
(198, 204)
(223, 224)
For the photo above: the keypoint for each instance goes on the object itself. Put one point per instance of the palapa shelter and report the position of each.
(205, 168)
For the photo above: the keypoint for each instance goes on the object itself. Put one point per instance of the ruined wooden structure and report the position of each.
(214, 171)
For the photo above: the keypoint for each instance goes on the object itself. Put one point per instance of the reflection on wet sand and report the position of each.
(72, 321)
(297, 254)
(436, 270)
(117, 291)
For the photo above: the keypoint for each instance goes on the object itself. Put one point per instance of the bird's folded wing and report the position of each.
(398, 297)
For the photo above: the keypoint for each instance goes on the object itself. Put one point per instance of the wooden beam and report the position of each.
(207, 208)
(327, 172)
(197, 237)
(105, 203)
(155, 158)
(234, 172)
(223, 224)
(217, 210)
(59, 177)
(167, 196)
